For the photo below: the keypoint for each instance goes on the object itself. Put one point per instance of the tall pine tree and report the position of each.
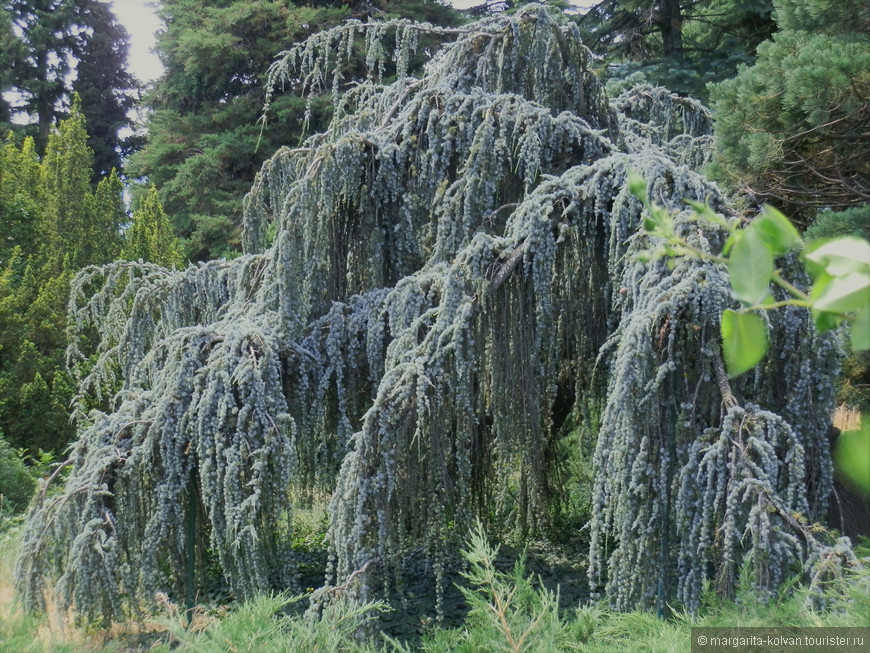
(40, 59)
(107, 90)
(52, 48)
(681, 44)
(793, 129)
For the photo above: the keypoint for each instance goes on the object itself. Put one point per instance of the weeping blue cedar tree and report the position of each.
(423, 283)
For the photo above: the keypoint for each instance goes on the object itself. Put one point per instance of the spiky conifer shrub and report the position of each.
(429, 287)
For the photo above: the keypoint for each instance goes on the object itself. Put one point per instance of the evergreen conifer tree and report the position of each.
(22, 200)
(430, 287)
(681, 45)
(149, 237)
(106, 89)
(47, 45)
(792, 129)
(54, 223)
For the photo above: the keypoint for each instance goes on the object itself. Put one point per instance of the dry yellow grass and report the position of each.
(847, 418)
(54, 631)
(8, 553)
(43, 634)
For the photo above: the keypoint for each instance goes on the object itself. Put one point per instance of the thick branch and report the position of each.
(728, 398)
(502, 273)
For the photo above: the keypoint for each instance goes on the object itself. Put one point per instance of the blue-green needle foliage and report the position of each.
(424, 282)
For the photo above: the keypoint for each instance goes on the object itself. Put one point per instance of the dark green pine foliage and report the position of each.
(679, 44)
(792, 129)
(16, 482)
(205, 142)
(429, 287)
(9, 52)
(40, 59)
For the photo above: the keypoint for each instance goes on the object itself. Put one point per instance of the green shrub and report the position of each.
(835, 224)
(16, 483)
(508, 611)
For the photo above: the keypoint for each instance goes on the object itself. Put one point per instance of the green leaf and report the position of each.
(842, 294)
(744, 341)
(732, 240)
(860, 332)
(658, 222)
(840, 256)
(699, 207)
(650, 255)
(853, 456)
(826, 321)
(707, 213)
(637, 186)
(776, 231)
(664, 222)
(822, 281)
(750, 268)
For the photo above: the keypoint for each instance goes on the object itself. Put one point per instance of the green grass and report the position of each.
(508, 611)
(19, 632)
(259, 627)
(512, 612)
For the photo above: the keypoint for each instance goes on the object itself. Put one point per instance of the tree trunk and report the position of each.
(669, 20)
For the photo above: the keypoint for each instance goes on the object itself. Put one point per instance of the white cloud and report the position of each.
(141, 22)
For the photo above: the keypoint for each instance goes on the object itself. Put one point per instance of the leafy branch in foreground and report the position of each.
(839, 267)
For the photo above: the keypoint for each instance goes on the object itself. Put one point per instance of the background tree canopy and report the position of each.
(54, 222)
(793, 128)
(683, 45)
(435, 287)
(204, 143)
(54, 48)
